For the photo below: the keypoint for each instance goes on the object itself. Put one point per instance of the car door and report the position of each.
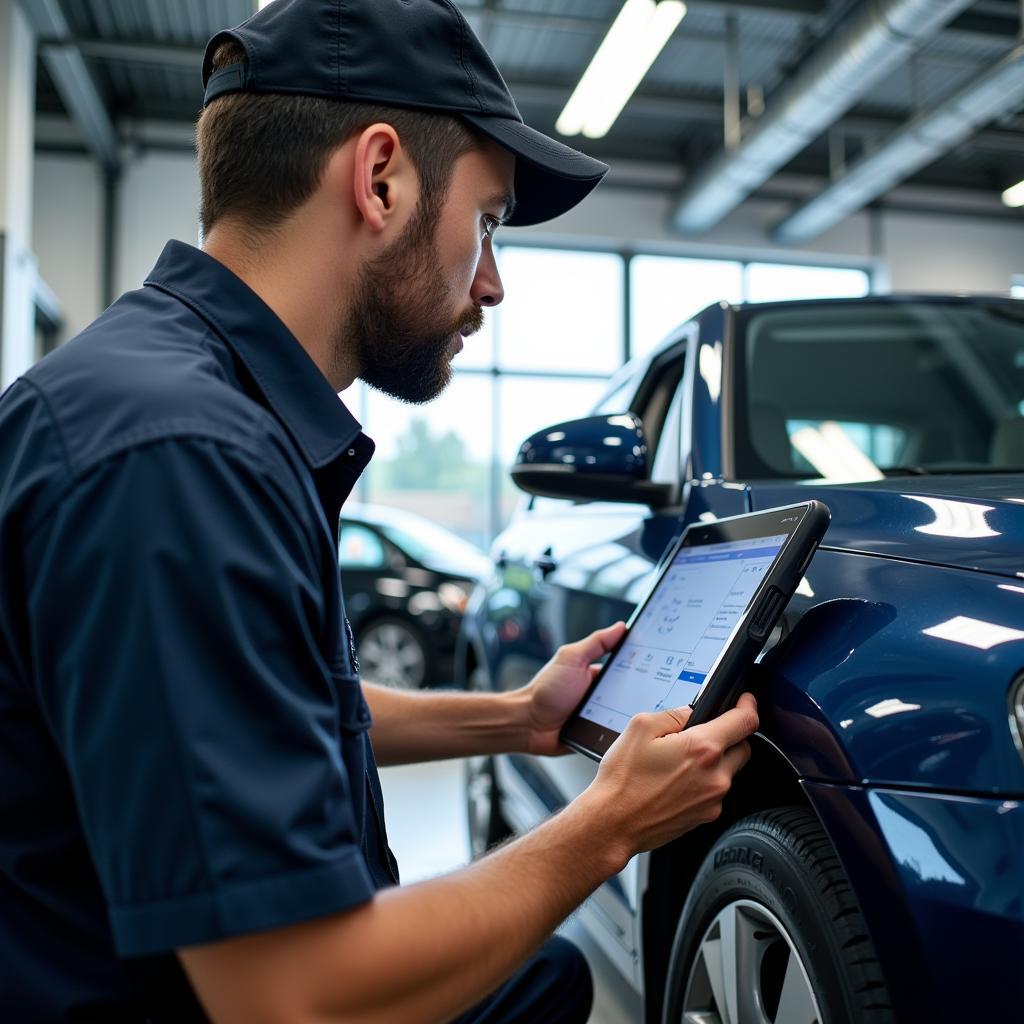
(589, 563)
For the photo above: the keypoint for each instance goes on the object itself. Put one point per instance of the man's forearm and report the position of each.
(421, 953)
(486, 920)
(410, 727)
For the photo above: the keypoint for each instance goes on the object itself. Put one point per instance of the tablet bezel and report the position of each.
(802, 524)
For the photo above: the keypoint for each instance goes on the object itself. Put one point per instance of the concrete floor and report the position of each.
(427, 829)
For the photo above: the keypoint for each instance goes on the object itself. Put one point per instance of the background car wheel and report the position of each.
(771, 933)
(393, 653)
(485, 822)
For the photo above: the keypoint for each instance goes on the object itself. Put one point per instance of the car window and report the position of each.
(618, 400)
(665, 465)
(360, 548)
(657, 393)
(857, 390)
(426, 542)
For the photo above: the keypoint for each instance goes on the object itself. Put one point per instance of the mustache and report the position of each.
(471, 322)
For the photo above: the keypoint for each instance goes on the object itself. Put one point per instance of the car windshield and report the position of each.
(425, 541)
(861, 390)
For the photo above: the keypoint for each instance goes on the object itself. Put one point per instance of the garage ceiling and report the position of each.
(144, 58)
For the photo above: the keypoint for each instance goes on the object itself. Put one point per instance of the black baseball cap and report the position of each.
(420, 54)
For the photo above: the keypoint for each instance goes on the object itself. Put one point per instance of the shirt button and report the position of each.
(351, 451)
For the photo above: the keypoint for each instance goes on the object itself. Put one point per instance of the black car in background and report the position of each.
(407, 582)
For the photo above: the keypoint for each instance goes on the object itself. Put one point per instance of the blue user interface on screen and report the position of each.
(680, 633)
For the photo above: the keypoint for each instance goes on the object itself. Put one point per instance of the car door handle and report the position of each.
(544, 563)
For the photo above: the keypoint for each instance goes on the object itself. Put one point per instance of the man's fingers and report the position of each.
(664, 723)
(736, 724)
(736, 757)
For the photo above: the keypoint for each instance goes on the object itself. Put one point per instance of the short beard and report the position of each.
(400, 325)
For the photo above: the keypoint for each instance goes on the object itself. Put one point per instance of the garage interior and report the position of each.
(775, 149)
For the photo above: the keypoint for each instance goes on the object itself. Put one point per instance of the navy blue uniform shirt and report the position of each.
(183, 739)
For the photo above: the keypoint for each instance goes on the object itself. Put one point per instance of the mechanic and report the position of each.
(191, 822)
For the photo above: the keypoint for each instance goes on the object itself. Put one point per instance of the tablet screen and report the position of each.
(682, 629)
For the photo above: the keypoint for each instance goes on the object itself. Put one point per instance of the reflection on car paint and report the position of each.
(915, 849)
(955, 518)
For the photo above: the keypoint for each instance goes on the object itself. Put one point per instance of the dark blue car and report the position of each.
(869, 862)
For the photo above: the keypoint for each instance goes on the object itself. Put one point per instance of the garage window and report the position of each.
(570, 320)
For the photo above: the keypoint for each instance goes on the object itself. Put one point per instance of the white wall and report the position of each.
(159, 199)
(959, 254)
(67, 235)
(640, 220)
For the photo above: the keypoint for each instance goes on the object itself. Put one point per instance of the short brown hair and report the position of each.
(262, 155)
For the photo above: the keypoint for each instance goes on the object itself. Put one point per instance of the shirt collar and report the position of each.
(294, 388)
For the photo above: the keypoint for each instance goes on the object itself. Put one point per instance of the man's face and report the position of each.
(416, 302)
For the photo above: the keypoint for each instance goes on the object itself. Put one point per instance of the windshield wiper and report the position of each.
(905, 470)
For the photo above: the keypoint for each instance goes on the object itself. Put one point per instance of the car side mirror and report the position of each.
(598, 458)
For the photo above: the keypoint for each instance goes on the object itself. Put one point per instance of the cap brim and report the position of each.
(551, 178)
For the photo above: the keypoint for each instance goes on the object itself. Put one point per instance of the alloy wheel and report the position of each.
(748, 971)
(391, 654)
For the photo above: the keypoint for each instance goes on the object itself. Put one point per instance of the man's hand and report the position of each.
(558, 687)
(657, 781)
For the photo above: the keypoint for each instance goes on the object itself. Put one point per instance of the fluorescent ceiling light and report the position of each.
(636, 37)
(1014, 196)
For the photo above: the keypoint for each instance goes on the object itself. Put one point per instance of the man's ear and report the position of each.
(384, 180)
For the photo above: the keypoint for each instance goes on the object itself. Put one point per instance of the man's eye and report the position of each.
(490, 225)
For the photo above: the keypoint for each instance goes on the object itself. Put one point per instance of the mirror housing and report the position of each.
(598, 458)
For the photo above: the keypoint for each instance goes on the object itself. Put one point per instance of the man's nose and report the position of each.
(487, 289)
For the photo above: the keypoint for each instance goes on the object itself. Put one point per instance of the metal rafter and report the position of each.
(73, 80)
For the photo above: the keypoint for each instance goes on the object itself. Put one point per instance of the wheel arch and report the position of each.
(373, 615)
(768, 780)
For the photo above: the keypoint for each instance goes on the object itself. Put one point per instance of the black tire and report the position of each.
(485, 823)
(380, 645)
(772, 890)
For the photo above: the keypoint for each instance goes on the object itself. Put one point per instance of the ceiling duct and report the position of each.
(917, 144)
(877, 39)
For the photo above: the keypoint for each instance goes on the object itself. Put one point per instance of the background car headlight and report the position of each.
(453, 597)
(1017, 714)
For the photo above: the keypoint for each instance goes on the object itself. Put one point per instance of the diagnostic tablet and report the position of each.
(720, 592)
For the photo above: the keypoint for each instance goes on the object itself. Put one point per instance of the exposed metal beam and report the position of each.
(1003, 26)
(677, 109)
(140, 52)
(919, 143)
(791, 8)
(74, 83)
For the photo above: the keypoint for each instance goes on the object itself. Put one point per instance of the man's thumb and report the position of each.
(673, 720)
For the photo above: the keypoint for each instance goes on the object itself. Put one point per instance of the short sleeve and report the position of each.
(178, 636)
